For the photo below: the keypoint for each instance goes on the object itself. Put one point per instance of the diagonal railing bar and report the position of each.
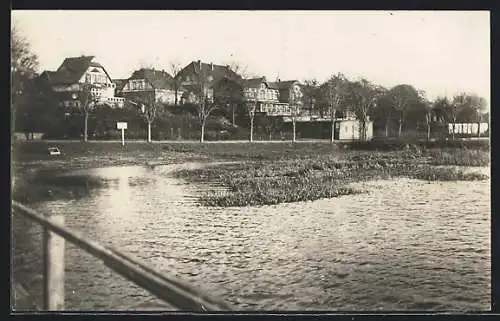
(167, 288)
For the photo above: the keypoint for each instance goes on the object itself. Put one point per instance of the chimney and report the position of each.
(199, 64)
(211, 66)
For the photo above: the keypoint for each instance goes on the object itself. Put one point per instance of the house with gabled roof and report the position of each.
(265, 96)
(148, 81)
(67, 82)
(290, 91)
(190, 78)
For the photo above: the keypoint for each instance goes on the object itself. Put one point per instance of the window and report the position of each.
(88, 78)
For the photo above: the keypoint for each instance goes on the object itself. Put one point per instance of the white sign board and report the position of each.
(121, 125)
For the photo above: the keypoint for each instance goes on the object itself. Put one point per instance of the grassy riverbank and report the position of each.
(265, 173)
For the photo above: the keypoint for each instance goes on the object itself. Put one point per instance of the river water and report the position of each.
(403, 245)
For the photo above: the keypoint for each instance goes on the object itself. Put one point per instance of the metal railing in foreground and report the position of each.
(167, 288)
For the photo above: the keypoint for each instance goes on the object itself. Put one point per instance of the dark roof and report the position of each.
(218, 72)
(253, 82)
(95, 64)
(119, 83)
(48, 75)
(72, 69)
(159, 79)
(280, 85)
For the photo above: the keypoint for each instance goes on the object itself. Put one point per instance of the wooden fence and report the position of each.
(167, 288)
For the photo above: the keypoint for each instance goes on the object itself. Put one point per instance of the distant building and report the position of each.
(68, 80)
(351, 129)
(266, 98)
(290, 91)
(468, 129)
(150, 81)
(212, 74)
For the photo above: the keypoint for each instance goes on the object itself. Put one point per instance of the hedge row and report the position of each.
(400, 144)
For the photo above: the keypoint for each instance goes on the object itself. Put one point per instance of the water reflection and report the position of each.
(404, 245)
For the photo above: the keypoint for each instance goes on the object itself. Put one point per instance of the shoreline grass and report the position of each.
(269, 183)
(264, 174)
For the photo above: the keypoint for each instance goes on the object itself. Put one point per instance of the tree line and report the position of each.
(394, 111)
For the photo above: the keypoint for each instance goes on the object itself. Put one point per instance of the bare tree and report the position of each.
(148, 106)
(403, 98)
(242, 71)
(23, 68)
(88, 102)
(228, 94)
(269, 123)
(204, 94)
(252, 107)
(293, 115)
(175, 68)
(363, 95)
(335, 93)
(429, 111)
(311, 94)
(239, 68)
(478, 104)
(23, 60)
(441, 107)
(458, 103)
(295, 104)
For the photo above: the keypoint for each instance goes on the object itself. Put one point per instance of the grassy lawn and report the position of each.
(265, 173)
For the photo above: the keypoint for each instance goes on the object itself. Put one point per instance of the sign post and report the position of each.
(122, 126)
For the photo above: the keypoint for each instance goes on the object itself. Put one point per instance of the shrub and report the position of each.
(408, 143)
(445, 174)
(458, 157)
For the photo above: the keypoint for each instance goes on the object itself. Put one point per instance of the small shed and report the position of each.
(351, 129)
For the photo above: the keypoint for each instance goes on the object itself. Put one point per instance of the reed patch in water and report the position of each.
(268, 183)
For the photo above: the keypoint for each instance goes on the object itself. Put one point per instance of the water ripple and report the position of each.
(405, 245)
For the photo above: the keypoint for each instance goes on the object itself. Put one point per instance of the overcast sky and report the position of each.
(441, 52)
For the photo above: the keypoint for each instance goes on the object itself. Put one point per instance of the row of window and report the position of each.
(274, 109)
(261, 94)
(137, 84)
(468, 128)
(94, 78)
(115, 99)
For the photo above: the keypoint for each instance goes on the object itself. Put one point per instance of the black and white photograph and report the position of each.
(250, 161)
